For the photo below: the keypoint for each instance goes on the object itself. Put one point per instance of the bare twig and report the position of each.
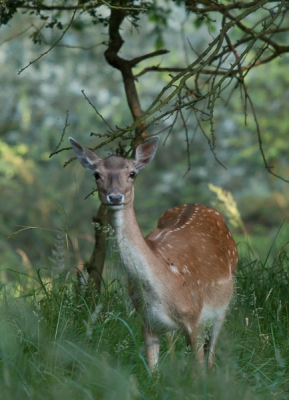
(171, 127)
(46, 52)
(158, 69)
(87, 99)
(63, 133)
(215, 6)
(122, 8)
(187, 142)
(268, 168)
(91, 193)
(16, 35)
(209, 141)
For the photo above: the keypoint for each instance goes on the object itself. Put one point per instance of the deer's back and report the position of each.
(196, 250)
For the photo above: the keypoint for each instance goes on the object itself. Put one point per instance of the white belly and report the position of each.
(210, 314)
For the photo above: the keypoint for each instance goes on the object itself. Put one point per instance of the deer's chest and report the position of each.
(146, 290)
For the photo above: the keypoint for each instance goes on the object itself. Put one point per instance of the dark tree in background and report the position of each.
(244, 35)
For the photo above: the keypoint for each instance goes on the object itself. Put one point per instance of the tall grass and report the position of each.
(59, 343)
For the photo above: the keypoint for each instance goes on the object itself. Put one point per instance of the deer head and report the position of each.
(115, 175)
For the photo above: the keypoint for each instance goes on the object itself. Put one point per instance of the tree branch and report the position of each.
(83, 7)
(46, 52)
(137, 60)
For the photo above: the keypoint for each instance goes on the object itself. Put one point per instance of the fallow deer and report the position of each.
(181, 274)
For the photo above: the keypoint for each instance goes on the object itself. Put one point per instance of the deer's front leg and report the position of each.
(152, 344)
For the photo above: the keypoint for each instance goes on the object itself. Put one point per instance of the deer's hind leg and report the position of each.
(212, 340)
(195, 338)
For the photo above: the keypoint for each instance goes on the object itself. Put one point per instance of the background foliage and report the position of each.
(36, 191)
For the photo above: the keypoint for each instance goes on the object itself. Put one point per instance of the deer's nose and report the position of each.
(115, 199)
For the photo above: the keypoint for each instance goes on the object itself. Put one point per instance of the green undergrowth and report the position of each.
(57, 342)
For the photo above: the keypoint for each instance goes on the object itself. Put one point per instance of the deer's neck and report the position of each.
(136, 256)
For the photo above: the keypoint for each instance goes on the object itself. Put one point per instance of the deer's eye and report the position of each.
(132, 175)
(96, 176)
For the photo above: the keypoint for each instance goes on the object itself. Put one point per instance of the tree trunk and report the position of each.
(96, 263)
(97, 260)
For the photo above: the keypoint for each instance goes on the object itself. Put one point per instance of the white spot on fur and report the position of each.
(185, 269)
(174, 269)
(158, 235)
(224, 281)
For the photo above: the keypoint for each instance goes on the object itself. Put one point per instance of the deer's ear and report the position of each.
(87, 158)
(145, 153)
